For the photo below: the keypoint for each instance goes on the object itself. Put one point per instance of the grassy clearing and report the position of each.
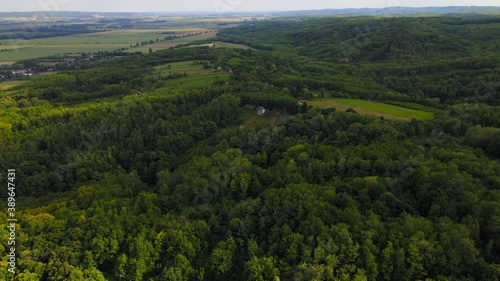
(195, 77)
(218, 44)
(182, 67)
(235, 61)
(197, 81)
(374, 108)
(7, 62)
(9, 84)
(48, 73)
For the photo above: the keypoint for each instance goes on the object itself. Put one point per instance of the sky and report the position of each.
(221, 5)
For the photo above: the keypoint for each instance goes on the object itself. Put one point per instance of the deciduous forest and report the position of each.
(128, 169)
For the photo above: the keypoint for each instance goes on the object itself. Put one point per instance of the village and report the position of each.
(32, 67)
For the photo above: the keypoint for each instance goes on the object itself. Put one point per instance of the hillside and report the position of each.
(371, 39)
(377, 157)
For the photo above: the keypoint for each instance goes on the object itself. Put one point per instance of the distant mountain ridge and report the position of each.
(371, 38)
(400, 11)
(469, 11)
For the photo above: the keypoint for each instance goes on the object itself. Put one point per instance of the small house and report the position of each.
(69, 60)
(261, 111)
(249, 106)
(19, 72)
(219, 67)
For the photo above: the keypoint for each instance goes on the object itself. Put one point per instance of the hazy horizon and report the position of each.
(222, 5)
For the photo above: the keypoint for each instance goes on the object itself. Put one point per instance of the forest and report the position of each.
(127, 172)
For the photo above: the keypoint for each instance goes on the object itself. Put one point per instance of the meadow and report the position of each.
(218, 44)
(9, 84)
(188, 67)
(378, 109)
(195, 77)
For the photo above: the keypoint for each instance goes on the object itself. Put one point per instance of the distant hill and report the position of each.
(342, 39)
(459, 11)
(470, 11)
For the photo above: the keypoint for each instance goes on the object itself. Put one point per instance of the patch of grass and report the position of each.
(182, 67)
(10, 84)
(235, 61)
(196, 81)
(7, 62)
(48, 73)
(219, 44)
(373, 108)
(415, 106)
(195, 77)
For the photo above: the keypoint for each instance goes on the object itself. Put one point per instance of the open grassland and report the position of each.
(195, 77)
(200, 80)
(9, 84)
(187, 67)
(218, 44)
(373, 108)
(235, 61)
(7, 62)
(94, 42)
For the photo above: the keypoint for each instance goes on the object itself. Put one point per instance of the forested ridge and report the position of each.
(122, 175)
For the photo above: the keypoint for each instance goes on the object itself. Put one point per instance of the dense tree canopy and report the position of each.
(122, 177)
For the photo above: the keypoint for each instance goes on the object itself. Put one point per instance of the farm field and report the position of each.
(175, 42)
(94, 42)
(392, 112)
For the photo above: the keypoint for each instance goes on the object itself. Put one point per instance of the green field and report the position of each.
(182, 67)
(94, 42)
(175, 42)
(218, 44)
(9, 84)
(373, 108)
(197, 81)
(235, 61)
(195, 77)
